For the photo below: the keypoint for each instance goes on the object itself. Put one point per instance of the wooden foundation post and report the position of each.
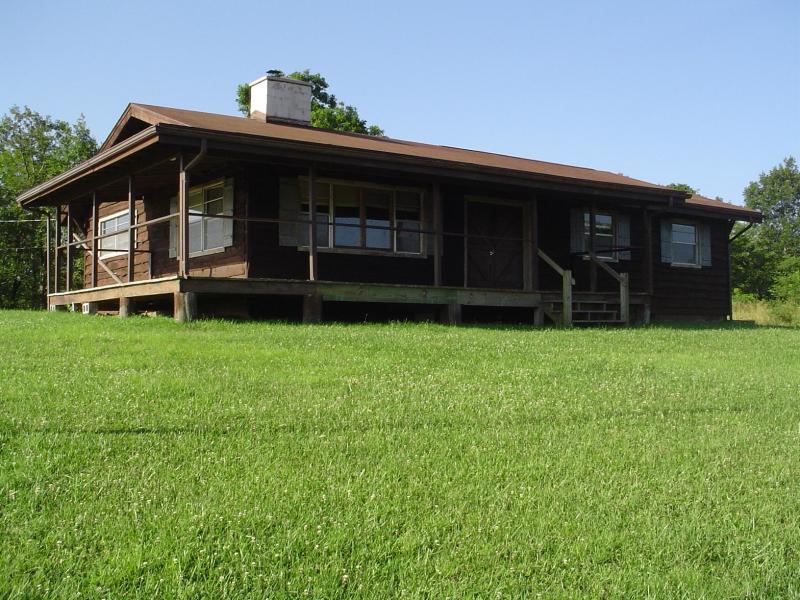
(125, 307)
(452, 313)
(312, 308)
(538, 316)
(185, 306)
(90, 308)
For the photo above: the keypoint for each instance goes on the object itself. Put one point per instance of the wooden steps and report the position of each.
(587, 312)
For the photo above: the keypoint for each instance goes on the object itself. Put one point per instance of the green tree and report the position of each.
(765, 261)
(777, 195)
(33, 148)
(327, 112)
(683, 187)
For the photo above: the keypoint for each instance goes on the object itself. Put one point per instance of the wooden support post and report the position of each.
(95, 229)
(527, 247)
(566, 299)
(68, 259)
(131, 230)
(312, 228)
(437, 235)
(592, 246)
(89, 308)
(647, 255)
(183, 221)
(56, 254)
(646, 317)
(466, 242)
(624, 298)
(185, 306)
(534, 225)
(47, 259)
(538, 316)
(452, 313)
(312, 308)
(125, 307)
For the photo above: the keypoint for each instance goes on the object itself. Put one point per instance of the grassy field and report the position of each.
(140, 459)
(768, 313)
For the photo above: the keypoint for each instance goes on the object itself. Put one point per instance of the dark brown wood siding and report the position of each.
(692, 293)
(269, 259)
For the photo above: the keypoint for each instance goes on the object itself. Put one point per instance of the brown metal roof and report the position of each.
(742, 211)
(232, 124)
(145, 115)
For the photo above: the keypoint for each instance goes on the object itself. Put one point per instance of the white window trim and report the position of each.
(333, 248)
(698, 264)
(105, 254)
(208, 186)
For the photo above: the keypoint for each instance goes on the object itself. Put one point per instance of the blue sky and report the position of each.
(706, 93)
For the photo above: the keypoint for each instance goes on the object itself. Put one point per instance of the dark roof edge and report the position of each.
(147, 135)
(385, 157)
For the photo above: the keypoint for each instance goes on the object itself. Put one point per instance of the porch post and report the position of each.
(312, 228)
(131, 230)
(647, 255)
(624, 298)
(68, 282)
(437, 235)
(592, 265)
(466, 241)
(183, 221)
(56, 260)
(94, 239)
(47, 259)
(566, 300)
(534, 224)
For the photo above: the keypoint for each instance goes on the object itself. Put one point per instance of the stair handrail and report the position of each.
(566, 287)
(624, 287)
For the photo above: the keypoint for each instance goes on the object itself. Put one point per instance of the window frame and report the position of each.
(362, 248)
(697, 245)
(104, 254)
(614, 254)
(203, 188)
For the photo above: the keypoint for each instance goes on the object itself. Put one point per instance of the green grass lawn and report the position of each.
(140, 459)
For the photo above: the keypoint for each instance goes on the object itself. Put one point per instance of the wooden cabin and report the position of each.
(204, 214)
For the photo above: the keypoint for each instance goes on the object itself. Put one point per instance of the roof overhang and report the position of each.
(177, 137)
(38, 195)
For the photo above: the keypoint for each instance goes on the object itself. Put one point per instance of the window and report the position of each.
(208, 233)
(357, 217)
(603, 236)
(116, 244)
(684, 244)
(205, 232)
(322, 192)
(407, 209)
(346, 217)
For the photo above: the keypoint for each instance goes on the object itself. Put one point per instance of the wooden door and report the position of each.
(494, 245)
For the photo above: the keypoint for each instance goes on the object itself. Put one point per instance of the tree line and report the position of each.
(765, 259)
